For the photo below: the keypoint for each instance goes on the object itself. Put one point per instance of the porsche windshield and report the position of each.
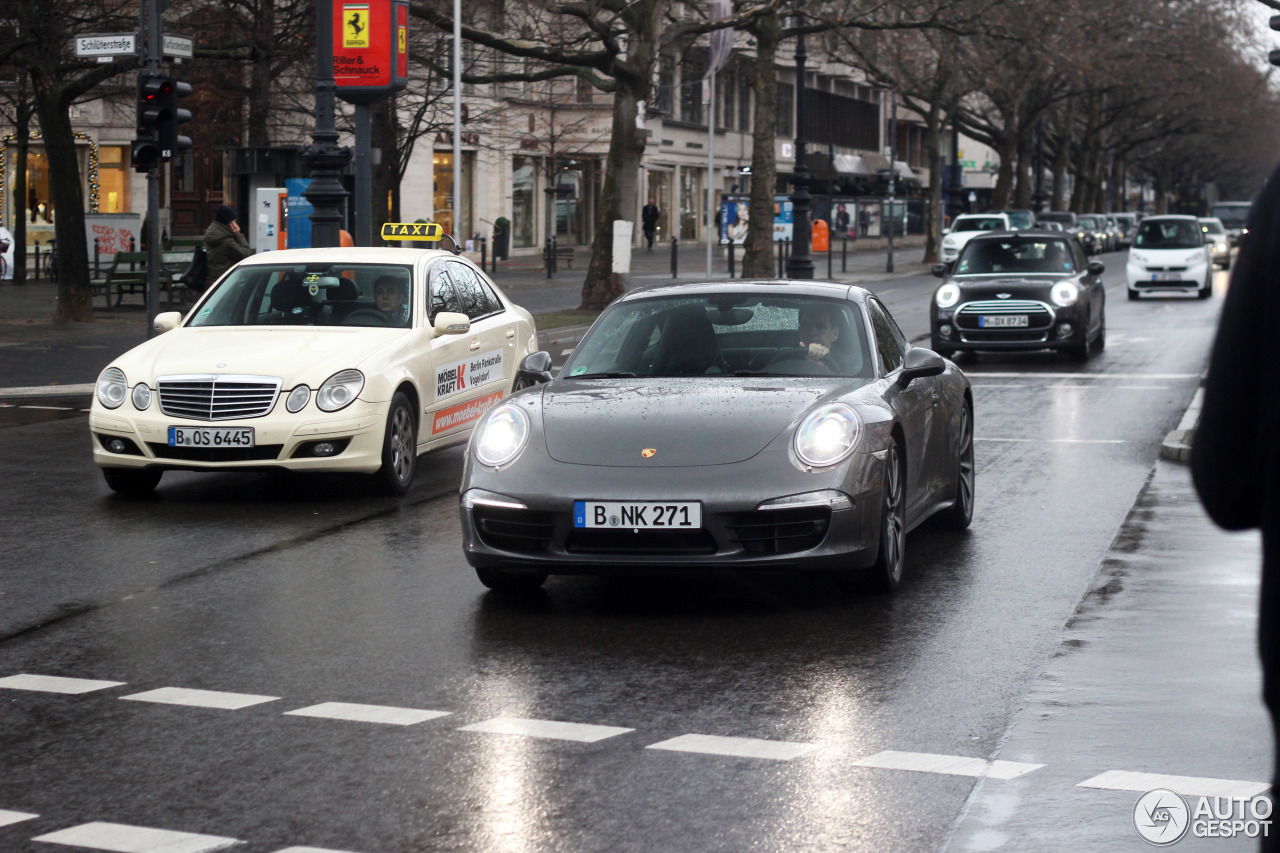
(724, 334)
(377, 295)
(994, 257)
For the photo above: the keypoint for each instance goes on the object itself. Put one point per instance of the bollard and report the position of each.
(829, 254)
(674, 263)
(37, 259)
(96, 273)
(484, 259)
(546, 255)
(555, 256)
(844, 254)
(494, 271)
(729, 249)
(132, 248)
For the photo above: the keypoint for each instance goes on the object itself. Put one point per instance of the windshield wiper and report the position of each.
(608, 374)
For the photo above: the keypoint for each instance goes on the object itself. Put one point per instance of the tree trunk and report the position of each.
(75, 297)
(1007, 152)
(19, 197)
(757, 255)
(260, 78)
(933, 141)
(1024, 186)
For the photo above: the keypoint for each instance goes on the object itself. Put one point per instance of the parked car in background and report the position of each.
(1128, 223)
(1067, 220)
(1169, 257)
(1095, 234)
(964, 227)
(1219, 243)
(1019, 220)
(1234, 216)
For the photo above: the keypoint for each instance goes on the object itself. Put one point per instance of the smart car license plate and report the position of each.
(1000, 321)
(1166, 276)
(211, 437)
(638, 515)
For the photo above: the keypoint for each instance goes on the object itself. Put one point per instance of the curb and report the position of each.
(1176, 446)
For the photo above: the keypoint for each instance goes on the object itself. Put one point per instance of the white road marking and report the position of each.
(568, 351)
(1195, 786)
(742, 747)
(55, 683)
(367, 713)
(8, 817)
(51, 408)
(122, 838)
(48, 390)
(998, 385)
(951, 765)
(546, 729)
(200, 698)
(1142, 387)
(1055, 440)
(1030, 375)
(312, 850)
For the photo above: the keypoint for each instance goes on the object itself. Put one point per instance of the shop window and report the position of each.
(113, 179)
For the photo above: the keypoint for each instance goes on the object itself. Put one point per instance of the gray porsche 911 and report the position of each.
(753, 424)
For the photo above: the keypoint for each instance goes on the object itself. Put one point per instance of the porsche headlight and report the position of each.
(947, 295)
(501, 436)
(112, 388)
(339, 390)
(1064, 293)
(141, 396)
(828, 435)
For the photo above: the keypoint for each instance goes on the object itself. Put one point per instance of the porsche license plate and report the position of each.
(638, 515)
(1002, 321)
(211, 436)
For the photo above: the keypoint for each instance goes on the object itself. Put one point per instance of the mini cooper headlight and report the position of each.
(339, 390)
(1064, 293)
(501, 436)
(141, 396)
(112, 388)
(947, 295)
(828, 435)
(298, 398)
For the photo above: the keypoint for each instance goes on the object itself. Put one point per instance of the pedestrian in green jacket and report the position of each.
(224, 244)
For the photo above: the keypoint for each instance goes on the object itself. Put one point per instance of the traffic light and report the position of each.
(146, 151)
(1274, 56)
(171, 115)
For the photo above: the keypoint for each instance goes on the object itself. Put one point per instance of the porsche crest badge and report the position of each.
(648, 452)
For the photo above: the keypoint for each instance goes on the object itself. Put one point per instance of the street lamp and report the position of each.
(325, 158)
(800, 264)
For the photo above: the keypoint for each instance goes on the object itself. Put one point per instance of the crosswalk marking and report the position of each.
(55, 684)
(546, 729)
(51, 408)
(994, 375)
(122, 838)
(742, 747)
(1052, 440)
(8, 817)
(367, 713)
(312, 850)
(951, 765)
(200, 698)
(1194, 786)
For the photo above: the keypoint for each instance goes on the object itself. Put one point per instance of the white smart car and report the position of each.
(344, 359)
(966, 226)
(1169, 257)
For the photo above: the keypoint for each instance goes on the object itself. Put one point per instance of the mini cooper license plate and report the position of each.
(638, 515)
(1002, 321)
(211, 436)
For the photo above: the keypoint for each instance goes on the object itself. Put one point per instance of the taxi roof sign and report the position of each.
(412, 231)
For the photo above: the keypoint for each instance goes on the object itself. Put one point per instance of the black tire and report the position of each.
(1206, 291)
(885, 574)
(1100, 342)
(1133, 295)
(399, 447)
(1226, 265)
(960, 513)
(511, 582)
(132, 481)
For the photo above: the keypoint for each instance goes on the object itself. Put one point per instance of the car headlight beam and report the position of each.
(947, 295)
(339, 390)
(112, 388)
(501, 436)
(1064, 293)
(828, 435)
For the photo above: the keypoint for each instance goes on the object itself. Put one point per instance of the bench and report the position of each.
(564, 257)
(127, 276)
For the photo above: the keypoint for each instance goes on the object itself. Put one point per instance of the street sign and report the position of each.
(107, 46)
(181, 47)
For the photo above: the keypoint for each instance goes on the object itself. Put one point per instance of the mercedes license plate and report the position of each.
(210, 436)
(638, 515)
(1002, 321)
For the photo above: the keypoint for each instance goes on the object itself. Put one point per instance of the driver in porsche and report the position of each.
(818, 333)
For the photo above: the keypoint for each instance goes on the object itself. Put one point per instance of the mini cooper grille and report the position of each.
(218, 398)
(1037, 313)
(514, 529)
(781, 531)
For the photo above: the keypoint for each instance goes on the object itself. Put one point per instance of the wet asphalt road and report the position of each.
(311, 590)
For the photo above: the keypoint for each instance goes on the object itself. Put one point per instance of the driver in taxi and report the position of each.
(391, 297)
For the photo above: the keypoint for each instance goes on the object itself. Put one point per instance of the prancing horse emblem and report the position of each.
(648, 452)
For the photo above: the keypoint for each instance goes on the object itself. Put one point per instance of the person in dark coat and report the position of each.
(1235, 454)
(649, 222)
(224, 245)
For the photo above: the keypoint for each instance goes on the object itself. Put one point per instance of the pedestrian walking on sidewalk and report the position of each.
(224, 245)
(649, 222)
(1235, 455)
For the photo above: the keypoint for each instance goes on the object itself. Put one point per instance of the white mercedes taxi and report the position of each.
(344, 359)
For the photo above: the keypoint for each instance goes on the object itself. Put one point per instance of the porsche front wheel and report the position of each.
(885, 575)
(960, 513)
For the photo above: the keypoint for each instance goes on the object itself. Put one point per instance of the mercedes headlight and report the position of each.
(141, 396)
(340, 390)
(501, 436)
(297, 398)
(1064, 293)
(947, 295)
(112, 388)
(828, 435)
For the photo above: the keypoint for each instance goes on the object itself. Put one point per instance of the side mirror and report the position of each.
(1096, 267)
(534, 369)
(918, 363)
(452, 323)
(167, 322)
(940, 270)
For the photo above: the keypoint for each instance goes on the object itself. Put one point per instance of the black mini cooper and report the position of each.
(1022, 290)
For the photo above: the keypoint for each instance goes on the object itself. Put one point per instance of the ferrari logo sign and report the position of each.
(412, 231)
(355, 26)
(648, 452)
